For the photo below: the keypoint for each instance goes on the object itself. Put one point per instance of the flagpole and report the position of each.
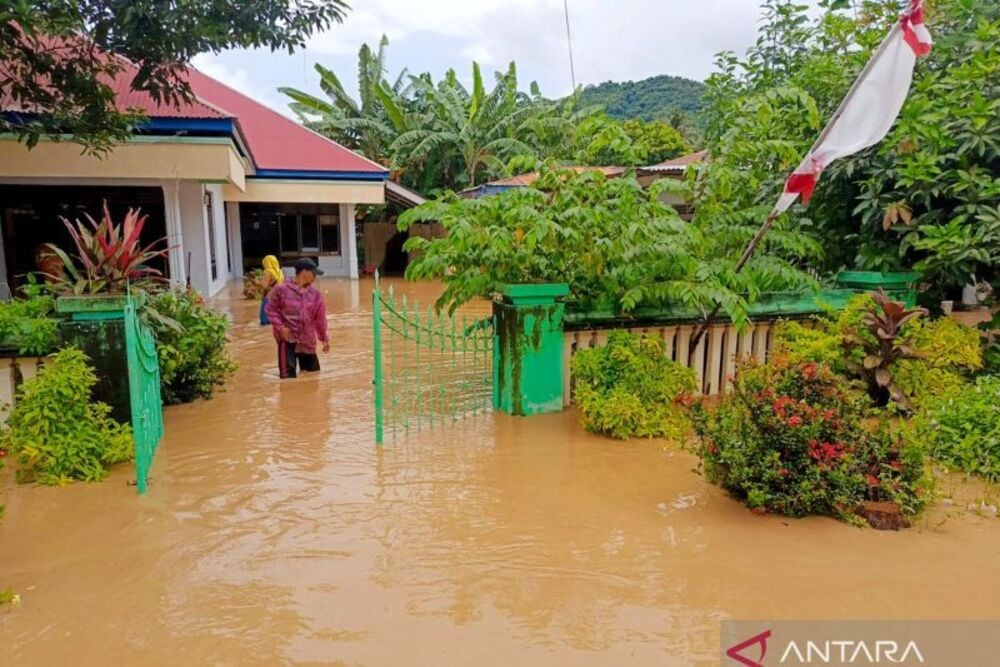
(759, 236)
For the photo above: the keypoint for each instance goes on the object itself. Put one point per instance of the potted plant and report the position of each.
(108, 256)
(94, 281)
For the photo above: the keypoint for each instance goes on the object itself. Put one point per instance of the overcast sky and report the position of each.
(618, 40)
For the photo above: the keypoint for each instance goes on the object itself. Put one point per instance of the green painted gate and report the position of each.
(144, 392)
(430, 368)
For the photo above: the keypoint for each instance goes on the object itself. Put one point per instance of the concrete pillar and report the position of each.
(529, 376)
(235, 237)
(349, 245)
(191, 198)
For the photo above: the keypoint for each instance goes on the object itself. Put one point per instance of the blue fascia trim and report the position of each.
(323, 175)
(222, 126)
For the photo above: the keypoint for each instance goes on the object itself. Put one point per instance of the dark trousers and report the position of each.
(288, 359)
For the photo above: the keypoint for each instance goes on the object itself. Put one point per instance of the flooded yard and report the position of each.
(275, 532)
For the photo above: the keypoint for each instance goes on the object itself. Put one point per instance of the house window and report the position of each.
(309, 230)
(210, 216)
(329, 226)
(289, 231)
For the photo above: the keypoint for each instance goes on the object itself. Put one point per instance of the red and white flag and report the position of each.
(870, 107)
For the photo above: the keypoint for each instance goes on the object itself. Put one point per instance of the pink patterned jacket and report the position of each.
(302, 311)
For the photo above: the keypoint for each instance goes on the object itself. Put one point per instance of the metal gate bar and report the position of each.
(430, 367)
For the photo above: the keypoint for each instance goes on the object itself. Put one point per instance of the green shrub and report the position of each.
(791, 439)
(57, 433)
(990, 344)
(194, 361)
(801, 343)
(963, 430)
(630, 388)
(945, 353)
(29, 325)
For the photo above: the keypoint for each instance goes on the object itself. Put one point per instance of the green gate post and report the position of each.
(529, 326)
(97, 326)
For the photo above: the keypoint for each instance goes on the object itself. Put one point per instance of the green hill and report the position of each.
(653, 98)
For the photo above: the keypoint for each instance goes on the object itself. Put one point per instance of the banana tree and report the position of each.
(479, 130)
(368, 125)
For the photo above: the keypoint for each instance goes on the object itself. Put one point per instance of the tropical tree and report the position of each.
(616, 244)
(600, 140)
(927, 196)
(476, 129)
(56, 64)
(369, 125)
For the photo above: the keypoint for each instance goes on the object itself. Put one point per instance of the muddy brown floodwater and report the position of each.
(275, 532)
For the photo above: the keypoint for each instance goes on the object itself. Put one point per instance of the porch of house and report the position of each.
(211, 240)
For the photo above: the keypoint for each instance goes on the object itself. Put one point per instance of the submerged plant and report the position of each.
(57, 433)
(191, 344)
(109, 255)
(792, 439)
(963, 430)
(629, 388)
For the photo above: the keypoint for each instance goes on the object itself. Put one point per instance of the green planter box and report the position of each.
(901, 285)
(529, 324)
(526, 294)
(95, 307)
(97, 326)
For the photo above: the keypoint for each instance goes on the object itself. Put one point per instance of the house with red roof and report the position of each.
(226, 179)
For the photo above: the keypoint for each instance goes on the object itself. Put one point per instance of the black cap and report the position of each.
(306, 264)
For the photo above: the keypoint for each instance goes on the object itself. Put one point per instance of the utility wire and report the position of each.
(569, 44)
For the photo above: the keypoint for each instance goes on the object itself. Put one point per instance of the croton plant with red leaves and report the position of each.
(798, 439)
(108, 255)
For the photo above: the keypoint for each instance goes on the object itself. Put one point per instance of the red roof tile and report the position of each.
(126, 98)
(275, 141)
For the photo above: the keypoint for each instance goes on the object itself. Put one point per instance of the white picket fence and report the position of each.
(713, 360)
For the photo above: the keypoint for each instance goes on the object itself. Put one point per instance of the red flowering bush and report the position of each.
(791, 439)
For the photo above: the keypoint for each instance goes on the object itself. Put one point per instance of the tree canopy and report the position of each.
(58, 56)
(440, 135)
(655, 98)
(926, 197)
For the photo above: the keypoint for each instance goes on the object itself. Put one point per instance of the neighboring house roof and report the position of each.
(531, 177)
(678, 163)
(522, 180)
(280, 146)
(403, 196)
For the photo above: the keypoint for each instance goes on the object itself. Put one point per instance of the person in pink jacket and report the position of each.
(298, 318)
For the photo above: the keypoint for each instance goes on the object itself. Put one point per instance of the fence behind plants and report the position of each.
(715, 357)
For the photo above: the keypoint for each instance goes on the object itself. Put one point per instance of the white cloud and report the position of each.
(620, 40)
(238, 78)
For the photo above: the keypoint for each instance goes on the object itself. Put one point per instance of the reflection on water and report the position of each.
(274, 531)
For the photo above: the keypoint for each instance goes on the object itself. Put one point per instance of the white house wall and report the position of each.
(194, 250)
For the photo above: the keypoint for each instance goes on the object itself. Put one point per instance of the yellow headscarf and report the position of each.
(271, 266)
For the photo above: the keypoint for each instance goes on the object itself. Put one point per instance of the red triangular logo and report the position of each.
(734, 651)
